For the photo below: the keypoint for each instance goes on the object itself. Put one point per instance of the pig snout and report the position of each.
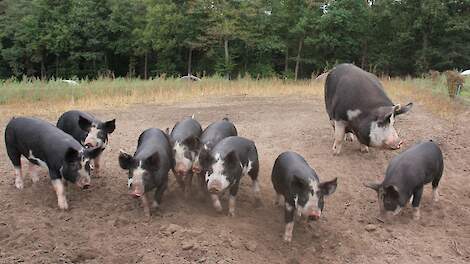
(214, 187)
(393, 141)
(90, 142)
(181, 170)
(197, 169)
(136, 190)
(394, 144)
(84, 182)
(314, 215)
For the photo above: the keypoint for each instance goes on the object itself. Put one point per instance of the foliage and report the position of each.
(293, 38)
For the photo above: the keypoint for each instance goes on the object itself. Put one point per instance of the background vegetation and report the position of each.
(230, 38)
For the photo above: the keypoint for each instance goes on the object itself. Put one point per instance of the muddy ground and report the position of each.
(105, 225)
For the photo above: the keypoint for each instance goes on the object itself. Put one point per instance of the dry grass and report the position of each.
(54, 97)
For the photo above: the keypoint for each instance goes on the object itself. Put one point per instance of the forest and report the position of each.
(293, 39)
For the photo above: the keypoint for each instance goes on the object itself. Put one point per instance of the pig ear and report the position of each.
(329, 187)
(109, 126)
(373, 185)
(192, 143)
(153, 162)
(84, 123)
(384, 117)
(231, 159)
(125, 160)
(402, 109)
(72, 155)
(92, 153)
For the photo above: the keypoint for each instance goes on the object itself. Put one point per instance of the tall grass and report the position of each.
(35, 97)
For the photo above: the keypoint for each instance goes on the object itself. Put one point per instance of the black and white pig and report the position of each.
(230, 160)
(356, 103)
(212, 135)
(88, 130)
(45, 145)
(406, 176)
(298, 185)
(148, 167)
(185, 141)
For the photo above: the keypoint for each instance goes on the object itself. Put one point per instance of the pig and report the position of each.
(185, 142)
(231, 159)
(148, 168)
(356, 103)
(299, 186)
(214, 133)
(43, 144)
(88, 130)
(406, 176)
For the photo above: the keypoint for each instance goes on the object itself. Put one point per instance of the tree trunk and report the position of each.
(297, 61)
(286, 62)
(364, 55)
(424, 60)
(43, 69)
(145, 64)
(190, 55)
(227, 58)
(57, 66)
(131, 67)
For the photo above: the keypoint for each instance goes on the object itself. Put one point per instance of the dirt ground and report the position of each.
(105, 225)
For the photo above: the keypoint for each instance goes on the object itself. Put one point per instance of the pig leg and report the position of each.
(60, 192)
(435, 185)
(15, 158)
(289, 220)
(364, 148)
(19, 178)
(179, 179)
(340, 129)
(188, 180)
(159, 194)
(253, 173)
(415, 204)
(232, 199)
(216, 202)
(33, 172)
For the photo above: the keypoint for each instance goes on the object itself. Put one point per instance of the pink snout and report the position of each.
(396, 144)
(214, 187)
(136, 191)
(84, 182)
(89, 142)
(197, 169)
(314, 215)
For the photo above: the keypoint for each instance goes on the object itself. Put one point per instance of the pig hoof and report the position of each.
(435, 196)
(364, 149)
(231, 213)
(416, 214)
(336, 151)
(63, 205)
(19, 184)
(218, 209)
(287, 238)
(155, 204)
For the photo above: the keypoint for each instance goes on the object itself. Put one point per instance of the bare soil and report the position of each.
(105, 225)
